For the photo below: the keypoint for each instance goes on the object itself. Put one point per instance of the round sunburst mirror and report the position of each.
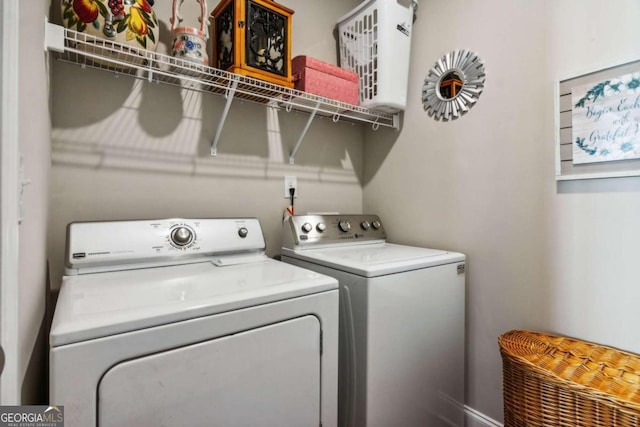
(453, 85)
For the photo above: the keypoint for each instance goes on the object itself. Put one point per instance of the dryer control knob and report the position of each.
(321, 227)
(376, 225)
(306, 227)
(365, 225)
(242, 232)
(344, 226)
(181, 236)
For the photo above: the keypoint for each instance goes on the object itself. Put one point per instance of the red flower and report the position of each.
(87, 10)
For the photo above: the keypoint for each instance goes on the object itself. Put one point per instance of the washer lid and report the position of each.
(103, 304)
(376, 259)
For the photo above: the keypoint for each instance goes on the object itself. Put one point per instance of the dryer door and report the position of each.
(268, 376)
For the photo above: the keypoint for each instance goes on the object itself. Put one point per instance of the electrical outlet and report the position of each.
(290, 182)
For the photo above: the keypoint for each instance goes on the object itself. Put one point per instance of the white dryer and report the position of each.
(187, 323)
(402, 321)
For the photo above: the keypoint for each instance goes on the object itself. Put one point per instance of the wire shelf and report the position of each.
(92, 52)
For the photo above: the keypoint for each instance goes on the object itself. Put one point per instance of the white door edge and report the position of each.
(9, 198)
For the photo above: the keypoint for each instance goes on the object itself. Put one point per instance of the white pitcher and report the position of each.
(190, 43)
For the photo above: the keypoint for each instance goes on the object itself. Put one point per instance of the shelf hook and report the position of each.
(231, 91)
(375, 124)
(304, 132)
(336, 118)
(288, 107)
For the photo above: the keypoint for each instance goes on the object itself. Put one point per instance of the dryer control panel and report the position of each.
(116, 245)
(314, 230)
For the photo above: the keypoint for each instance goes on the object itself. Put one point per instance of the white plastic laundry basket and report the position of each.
(375, 42)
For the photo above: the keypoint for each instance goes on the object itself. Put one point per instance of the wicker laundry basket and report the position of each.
(558, 381)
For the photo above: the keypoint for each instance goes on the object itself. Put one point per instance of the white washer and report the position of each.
(188, 323)
(402, 321)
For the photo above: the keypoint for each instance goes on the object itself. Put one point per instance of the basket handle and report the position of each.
(175, 14)
(176, 17)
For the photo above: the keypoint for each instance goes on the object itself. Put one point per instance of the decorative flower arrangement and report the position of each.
(109, 18)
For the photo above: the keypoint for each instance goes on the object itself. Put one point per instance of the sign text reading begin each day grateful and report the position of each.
(606, 120)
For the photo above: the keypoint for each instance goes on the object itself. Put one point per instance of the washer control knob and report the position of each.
(344, 226)
(365, 225)
(181, 236)
(242, 232)
(321, 227)
(306, 227)
(376, 225)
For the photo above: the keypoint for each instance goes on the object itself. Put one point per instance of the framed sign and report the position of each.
(598, 124)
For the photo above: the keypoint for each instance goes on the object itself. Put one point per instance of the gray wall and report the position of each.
(541, 255)
(126, 149)
(34, 136)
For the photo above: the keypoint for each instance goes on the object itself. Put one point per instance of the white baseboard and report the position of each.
(474, 418)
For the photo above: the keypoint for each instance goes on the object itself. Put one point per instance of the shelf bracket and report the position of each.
(304, 132)
(53, 37)
(231, 91)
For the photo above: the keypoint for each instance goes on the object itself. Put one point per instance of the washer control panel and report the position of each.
(305, 230)
(111, 244)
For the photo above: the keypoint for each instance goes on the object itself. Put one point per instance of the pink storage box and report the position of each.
(319, 78)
